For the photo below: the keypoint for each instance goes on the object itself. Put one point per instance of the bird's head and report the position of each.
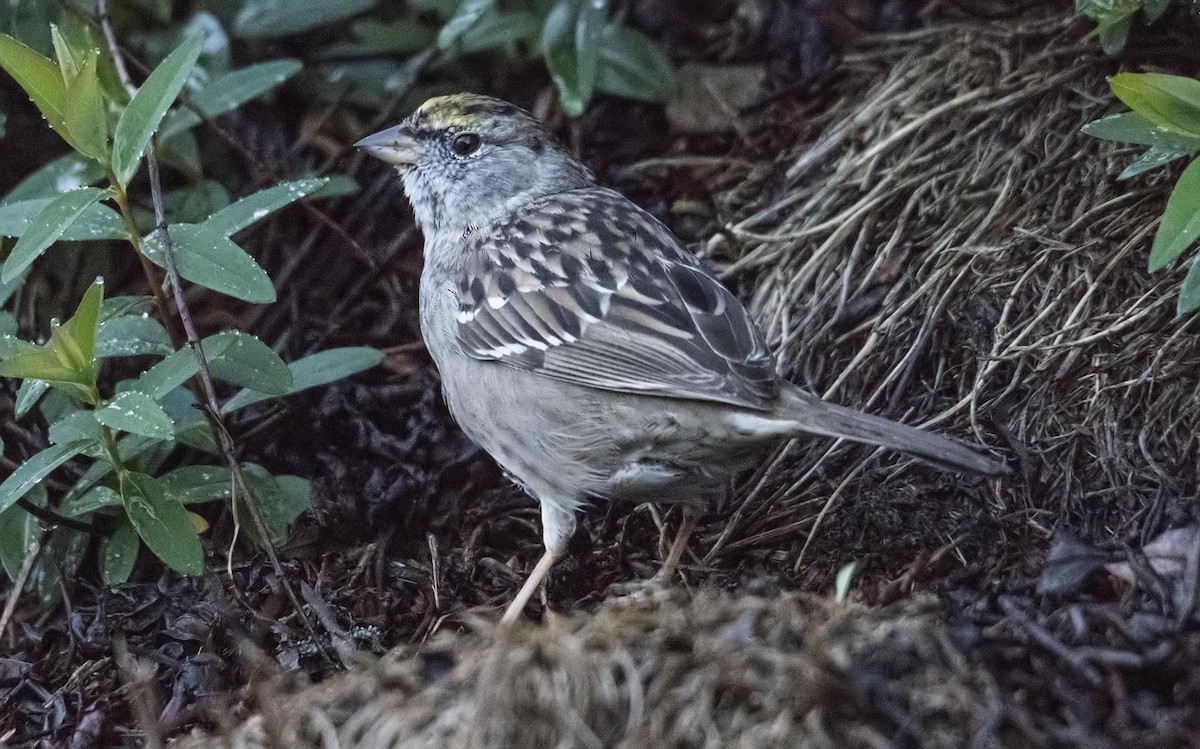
(467, 159)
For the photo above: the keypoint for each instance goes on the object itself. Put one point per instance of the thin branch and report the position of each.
(208, 390)
(10, 605)
(50, 516)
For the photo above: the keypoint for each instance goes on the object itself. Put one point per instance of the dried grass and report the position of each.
(710, 672)
(953, 252)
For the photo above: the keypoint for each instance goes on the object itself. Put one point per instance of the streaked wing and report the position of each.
(585, 287)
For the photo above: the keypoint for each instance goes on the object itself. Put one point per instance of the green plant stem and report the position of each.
(153, 278)
(110, 446)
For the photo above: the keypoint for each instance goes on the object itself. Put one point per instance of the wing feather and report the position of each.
(586, 287)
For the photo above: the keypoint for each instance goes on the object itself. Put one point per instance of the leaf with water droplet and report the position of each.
(132, 335)
(36, 468)
(148, 106)
(244, 212)
(190, 484)
(85, 114)
(118, 553)
(249, 362)
(40, 78)
(227, 92)
(137, 413)
(314, 370)
(47, 227)
(162, 523)
(97, 221)
(207, 257)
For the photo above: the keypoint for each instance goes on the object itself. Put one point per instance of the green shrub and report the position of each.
(583, 50)
(1115, 17)
(1164, 117)
(126, 430)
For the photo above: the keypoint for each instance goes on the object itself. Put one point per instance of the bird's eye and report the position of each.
(465, 144)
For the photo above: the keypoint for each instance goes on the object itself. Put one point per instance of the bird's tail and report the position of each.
(807, 414)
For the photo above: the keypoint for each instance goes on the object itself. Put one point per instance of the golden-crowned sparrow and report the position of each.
(579, 343)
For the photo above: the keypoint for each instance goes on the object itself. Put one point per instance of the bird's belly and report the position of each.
(568, 443)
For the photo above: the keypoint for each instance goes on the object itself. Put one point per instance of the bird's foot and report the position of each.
(643, 589)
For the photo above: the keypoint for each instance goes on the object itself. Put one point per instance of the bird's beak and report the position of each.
(396, 145)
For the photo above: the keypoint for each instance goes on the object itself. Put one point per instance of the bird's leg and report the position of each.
(513, 612)
(678, 545)
(558, 524)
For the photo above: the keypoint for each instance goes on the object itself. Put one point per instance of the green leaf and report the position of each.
(118, 553)
(571, 47)
(27, 361)
(6, 292)
(47, 227)
(62, 552)
(85, 115)
(28, 395)
(19, 535)
(500, 30)
(367, 82)
(634, 66)
(178, 368)
(41, 80)
(1154, 9)
(273, 18)
(1180, 223)
(68, 65)
(132, 335)
(144, 113)
(227, 92)
(130, 447)
(1189, 292)
(1171, 102)
(181, 152)
(97, 222)
(196, 202)
(96, 498)
(191, 484)
(402, 36)
(1129, 127)
(69, 357)
(125, 304)
(205, 256)
(78, 334)
(250, 363)
(57, 404)
(336, 186)
(29, 473)
(162, 523)
(243, 213)
(75, 427)
(279, 500)
(8, 324)
(314, 370)
(64, 174)
(137, 413)
(1152, 158)
(191, 425)
(468, 14)
(1114, 34)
